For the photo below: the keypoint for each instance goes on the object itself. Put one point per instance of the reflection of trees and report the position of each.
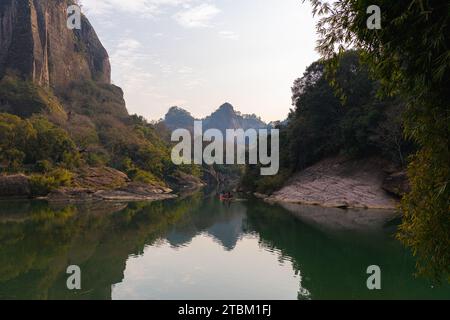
(38, 242)
(36, 248)
(333, 266)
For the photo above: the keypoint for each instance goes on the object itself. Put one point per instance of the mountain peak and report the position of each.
(227, 107)
(225, 117)
(177, 110)
(177, 118)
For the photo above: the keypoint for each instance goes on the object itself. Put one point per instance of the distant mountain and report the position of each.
(276, 124)
(178, 118)
(225, 117)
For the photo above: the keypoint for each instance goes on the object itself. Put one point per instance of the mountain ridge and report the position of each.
(223, 118)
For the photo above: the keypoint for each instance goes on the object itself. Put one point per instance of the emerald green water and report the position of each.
(199, 248)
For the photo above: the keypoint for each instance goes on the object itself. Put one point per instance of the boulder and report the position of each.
(14, 186)
(100, 178)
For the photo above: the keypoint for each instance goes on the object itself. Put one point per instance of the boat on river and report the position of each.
(226, 196)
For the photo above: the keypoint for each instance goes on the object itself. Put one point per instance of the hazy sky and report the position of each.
(198, 54)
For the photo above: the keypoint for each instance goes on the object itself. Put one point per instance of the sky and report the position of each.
(199, 54)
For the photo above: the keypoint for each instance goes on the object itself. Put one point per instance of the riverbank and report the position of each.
(129, 193)
(342, 183)
(93, 184)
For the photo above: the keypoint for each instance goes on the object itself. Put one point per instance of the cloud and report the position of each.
(231, 35)
(188, 13)
(197, 17)
(185, 70)
(144, 8)
(127, 59)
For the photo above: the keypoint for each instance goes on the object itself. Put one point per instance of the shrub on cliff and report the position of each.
(26, 143)
(43, 184)
(24, 98)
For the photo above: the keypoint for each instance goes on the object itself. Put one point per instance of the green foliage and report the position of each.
(97, 158)
(312, 132)
(15, 137)
(425, 228)
(351, 121)
(43, 166)
(23, 98)
(410, 56)
(145, 177)
(43, 184)
(252, 180)
(52, 143)
(91, 99)
(35, 142)
(193, 170)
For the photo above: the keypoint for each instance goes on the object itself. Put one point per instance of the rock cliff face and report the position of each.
(36, 44)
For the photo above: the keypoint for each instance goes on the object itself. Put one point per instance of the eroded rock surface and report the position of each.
(339, 183)
(108, 184)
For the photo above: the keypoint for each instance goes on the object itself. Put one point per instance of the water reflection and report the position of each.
(224, 223)
(194, 248)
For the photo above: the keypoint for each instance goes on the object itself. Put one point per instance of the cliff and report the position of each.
(36, 44)
(60, 110)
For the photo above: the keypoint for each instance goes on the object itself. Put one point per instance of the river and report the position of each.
(200, 248)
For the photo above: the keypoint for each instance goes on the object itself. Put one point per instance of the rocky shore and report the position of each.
(17, 186)
(342, 183)
(89, 184)
(131, 192)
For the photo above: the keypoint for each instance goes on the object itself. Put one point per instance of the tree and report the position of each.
(410, 56)
(15, 137)
(35, 142)
(51, 143)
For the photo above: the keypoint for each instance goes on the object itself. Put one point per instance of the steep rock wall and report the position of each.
(36, 44)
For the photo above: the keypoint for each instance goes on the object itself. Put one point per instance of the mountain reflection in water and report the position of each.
(195, 248)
